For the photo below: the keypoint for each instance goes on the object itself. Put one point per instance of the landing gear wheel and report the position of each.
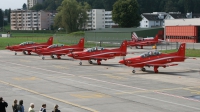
(43, 57)
(24, 52)
(15, 53)
(52, 56)
(80, 63)
(143, 69)
(90, 62)
(156, 71)
(133, 71)
(99, 63)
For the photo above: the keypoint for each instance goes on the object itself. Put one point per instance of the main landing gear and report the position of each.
(156, 69)
(99, 62)
(133, 71)
(43, 57)
(24, 52)
(80, 63)
(15, 53)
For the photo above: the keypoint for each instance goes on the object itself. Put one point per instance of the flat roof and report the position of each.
(122, 29)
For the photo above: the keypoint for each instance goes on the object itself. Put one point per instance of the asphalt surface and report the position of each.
(109, 87)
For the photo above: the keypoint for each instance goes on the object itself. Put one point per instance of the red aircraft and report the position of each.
(136, 41)
(99, 53)
(28, 47)
(156, 59)
(60, 49)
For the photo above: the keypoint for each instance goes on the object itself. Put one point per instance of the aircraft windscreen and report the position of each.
(25, 43)
(150, 53)
(94, 49)
(55, 45)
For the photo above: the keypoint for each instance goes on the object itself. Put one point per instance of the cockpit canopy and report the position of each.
(26, 43)
(95, 49)
(55, 45)
(150, 53)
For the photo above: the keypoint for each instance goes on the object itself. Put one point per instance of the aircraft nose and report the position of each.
(122, 61)
(70, 55)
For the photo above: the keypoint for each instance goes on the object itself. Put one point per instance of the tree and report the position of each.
(171, 6)
(1, 18)
(71, 15)
(24, 7)
(125, 13)
(37, 7)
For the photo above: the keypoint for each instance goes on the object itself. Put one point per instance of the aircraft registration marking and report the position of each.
(24, 78)
(89, 95)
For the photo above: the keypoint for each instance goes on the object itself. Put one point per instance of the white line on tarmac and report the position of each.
(120, 85)
(47, 96)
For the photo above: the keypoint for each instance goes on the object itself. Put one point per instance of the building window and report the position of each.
(93, 25)
(146, 25)
(102, 14)
(156, 21)
(146, 21)
(93, 18)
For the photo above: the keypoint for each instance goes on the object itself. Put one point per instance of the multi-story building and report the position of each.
(98, 19)
(31, 3)
(30, 20)
(154, 19)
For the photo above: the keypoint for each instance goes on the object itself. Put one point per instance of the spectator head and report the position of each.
(20, 102)
(32, 105)
(56, 106)
(15, 101)
(1, 99)
(44, 105)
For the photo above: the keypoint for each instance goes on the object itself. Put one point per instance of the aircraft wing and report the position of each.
(162, 65)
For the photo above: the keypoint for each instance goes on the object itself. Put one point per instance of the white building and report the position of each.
(98, 19)
(155, 19)
(31, 3)
(30, 20)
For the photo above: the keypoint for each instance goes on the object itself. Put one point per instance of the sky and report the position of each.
(13, 4)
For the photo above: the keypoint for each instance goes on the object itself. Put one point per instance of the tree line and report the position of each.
(4, 13)
(145, 6)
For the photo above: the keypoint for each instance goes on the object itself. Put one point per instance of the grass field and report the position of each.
(188, 53)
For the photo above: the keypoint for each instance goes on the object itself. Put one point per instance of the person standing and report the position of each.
(20, 107)
(14, 106)
(31, 108)
(56, 109)
(43, 109)
(3, 105)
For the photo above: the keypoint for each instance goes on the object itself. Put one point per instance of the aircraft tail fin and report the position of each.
(81, 43)
(134, 36)
(181, 50)
(50, 41)
(124, 46)
(156, 37)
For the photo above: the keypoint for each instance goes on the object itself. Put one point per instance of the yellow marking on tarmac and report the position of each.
(22, 60)
(160, 90)
(193, 91)
(58, 76)
(89, 95)
(25, 78)
(60, 67)
(47, 96)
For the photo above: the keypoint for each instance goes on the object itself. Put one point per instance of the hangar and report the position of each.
(182, 30)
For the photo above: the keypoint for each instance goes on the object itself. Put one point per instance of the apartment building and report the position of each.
(31, 3)
(99, 19)
(31, 20)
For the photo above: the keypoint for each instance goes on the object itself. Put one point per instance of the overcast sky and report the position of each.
(13, 4)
